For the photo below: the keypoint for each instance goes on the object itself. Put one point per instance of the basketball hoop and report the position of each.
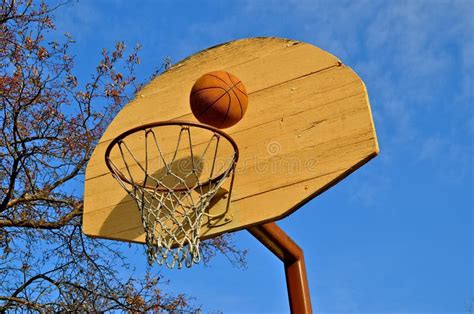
(172, 200)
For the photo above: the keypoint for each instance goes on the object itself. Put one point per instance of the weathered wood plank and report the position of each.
(291, 97)
(167, 97)
(123, 221)
(296, 142)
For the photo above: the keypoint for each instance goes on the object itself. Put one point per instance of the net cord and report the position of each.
(172, 215)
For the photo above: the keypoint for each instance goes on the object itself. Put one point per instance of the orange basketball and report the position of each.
(219, 99)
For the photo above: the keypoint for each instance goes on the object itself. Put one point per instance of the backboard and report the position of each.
(308, 125)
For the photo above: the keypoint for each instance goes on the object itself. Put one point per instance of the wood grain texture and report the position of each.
(308, 125)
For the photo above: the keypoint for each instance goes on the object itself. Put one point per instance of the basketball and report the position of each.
(219, 99)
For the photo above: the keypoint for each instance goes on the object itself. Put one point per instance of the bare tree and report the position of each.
(50, 124)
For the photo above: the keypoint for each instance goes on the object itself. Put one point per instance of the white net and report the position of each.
(173, 200)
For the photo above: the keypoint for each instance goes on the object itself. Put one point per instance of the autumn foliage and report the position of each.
(50, 123)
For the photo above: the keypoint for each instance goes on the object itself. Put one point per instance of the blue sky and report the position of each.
(397, 235)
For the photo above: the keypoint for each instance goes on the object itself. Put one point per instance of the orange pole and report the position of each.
(280, 244)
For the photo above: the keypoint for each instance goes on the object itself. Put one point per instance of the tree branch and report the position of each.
(41, 224)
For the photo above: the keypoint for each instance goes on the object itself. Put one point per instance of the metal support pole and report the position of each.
(280, 244)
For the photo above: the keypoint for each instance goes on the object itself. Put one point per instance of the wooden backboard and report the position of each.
(308, 126)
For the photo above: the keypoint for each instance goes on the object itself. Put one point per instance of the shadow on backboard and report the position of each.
(127, 217)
